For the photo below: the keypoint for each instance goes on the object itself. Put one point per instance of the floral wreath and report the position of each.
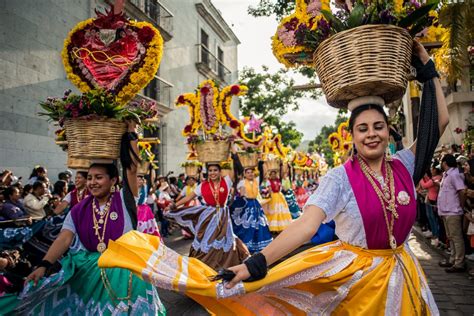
(91, 44)
(341, 141)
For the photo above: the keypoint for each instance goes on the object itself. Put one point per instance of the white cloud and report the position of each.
(255, 51)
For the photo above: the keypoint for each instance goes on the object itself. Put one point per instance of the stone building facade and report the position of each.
(199, 44)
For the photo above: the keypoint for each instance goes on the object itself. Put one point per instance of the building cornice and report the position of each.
(215, 20)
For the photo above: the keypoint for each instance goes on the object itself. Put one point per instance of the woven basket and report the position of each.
(363, 61)
(248, 160)
(213, 151)
(143, 168)
(228, 172)
(191, 171)
(272, 164)
(77, 163)
(94, 139)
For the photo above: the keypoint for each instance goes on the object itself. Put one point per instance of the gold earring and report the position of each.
(112, 189)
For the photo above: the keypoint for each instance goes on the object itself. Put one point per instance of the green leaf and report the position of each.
(357, 16)
(417, 14)
(336, 23)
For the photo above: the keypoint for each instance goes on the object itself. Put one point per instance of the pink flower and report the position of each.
(286, 37)
(235, 89)
(314, 8)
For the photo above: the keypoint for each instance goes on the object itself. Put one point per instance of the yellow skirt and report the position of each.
(277, 212)
(334, 278)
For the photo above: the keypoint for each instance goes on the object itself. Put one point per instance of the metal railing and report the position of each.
(157, 12)
(208, 59)
(160, 90)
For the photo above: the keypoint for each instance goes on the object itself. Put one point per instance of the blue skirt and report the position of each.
(250, 224)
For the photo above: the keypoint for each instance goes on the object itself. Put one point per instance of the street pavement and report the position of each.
(454, 293)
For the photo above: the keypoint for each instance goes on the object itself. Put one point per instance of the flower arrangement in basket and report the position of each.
(209, 111)
(357, 47)
(192, 168)
(92, 123)
(341, 141)
(146, 155)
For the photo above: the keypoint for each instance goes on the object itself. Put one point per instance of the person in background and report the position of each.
(76, 195)
(13, 208)
(173, 185)
(181, 181)
(35, 201)
(38, 171)
(431, 182)
(451, 197)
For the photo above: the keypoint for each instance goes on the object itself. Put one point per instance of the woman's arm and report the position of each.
(296, 234)
(186, 199)
(61, 207)
(57, 249)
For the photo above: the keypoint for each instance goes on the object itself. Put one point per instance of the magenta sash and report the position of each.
(83, 221)
(376, 231)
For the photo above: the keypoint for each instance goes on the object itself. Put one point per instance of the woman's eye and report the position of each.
(378, 127)
(362, 129)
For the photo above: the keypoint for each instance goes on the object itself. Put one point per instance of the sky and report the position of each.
(255, 50)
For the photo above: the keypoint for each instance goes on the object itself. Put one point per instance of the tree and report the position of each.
(321, 143)
(271, 96)
(279, 8)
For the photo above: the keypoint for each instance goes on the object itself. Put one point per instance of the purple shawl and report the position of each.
(376, 231)
(83, 221)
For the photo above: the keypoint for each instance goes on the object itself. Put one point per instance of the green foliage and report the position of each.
(271, 96)
(278, 8)
(321, 143)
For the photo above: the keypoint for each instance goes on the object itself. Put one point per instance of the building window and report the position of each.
(220, 61)
(204, 47)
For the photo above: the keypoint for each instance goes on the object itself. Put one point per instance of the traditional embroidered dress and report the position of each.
(250, 222)
(276, 210)
(357, 275)
(291, 199)
(81, 287)
(214, 240)
(146, 219)
(302, 195)
(75, 197)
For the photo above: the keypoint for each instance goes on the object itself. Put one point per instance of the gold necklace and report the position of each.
(215, 193)
(101, 246)
(114, 297)
(387, 203)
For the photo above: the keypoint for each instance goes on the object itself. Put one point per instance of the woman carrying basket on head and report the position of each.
(81, 287)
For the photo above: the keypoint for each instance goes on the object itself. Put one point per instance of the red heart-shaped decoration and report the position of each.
(112, 53)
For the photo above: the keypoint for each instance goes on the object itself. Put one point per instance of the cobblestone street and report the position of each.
(454, 293)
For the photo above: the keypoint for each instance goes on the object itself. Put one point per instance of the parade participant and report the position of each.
(75, 196)
(290, 198)
(214, 243)
(35, 201)
(369, 271)
(277, 211)
(190, 186)
(99, 218)
(250, 222)
(146, 219)
(300, 191)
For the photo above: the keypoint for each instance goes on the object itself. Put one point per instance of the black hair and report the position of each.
(59, 186)
(26, 189)
(110, 169)
(82, 173)
(63, 176)
(173, 180)
(38, 184)
(189, 178)
(181, 175)
(212, 164)
(357, 111)
(36, 171)
(449, 160)
(8, 192)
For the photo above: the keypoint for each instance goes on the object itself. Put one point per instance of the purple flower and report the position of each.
(386, 17)
(300, 34)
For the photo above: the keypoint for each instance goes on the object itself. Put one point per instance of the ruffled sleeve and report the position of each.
(332, 194)
(407, 158)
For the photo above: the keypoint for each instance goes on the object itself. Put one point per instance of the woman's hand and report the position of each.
(420, 51)
(36, 275)
(241, 274)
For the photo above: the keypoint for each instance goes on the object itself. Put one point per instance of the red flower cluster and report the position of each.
(205, 90)
(458, 130)
(234, 124)
(181, 99)
(188, 128)
(235, 89)
(145, 34)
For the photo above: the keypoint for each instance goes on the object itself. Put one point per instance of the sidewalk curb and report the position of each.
(419, 236)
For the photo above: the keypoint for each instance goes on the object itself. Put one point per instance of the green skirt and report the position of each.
(80, 289)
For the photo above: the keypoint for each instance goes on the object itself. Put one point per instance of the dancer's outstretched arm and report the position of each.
(296, 234)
